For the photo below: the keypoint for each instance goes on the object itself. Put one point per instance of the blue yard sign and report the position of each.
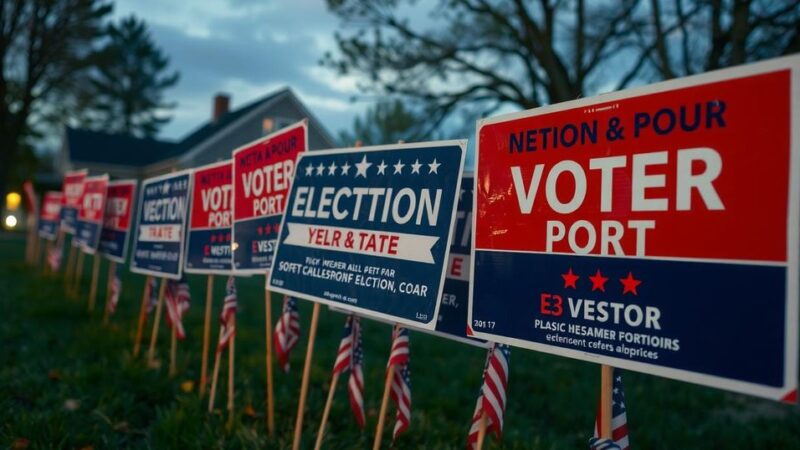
(368, 229)
(160, 225)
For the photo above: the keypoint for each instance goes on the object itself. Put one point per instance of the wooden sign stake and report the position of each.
(387, 387)
(206, 335)
(93, 286)
(301, 404)
(326, 411)
(231, 367)
(173, 349)
(606, 387)
(481, 432)
(151, 351)
(214, 377)
(137, 343)
(76, 286)
(112, 269)
(270, 400)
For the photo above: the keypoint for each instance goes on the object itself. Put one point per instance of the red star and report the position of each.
(629, 284)
(213, 238)
(569, 279)
(228, 237)
(267, 229)
(277, 227)
(260, 230)
(598, 281)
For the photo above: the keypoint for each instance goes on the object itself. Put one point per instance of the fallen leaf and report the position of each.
(71, 404)
(187, 386)
(249, 411)
(122, 426)
(154, 363)
(20, 444)
(54, 375)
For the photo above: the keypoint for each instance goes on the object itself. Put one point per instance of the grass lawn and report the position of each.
(67, 381)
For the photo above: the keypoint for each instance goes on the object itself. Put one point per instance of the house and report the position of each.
(124, 156)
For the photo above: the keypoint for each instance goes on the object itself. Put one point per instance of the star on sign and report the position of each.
(361, 168)
(415, 167)
(398, 168)
(382, 168)
(345, 168)
(309, 170)
(320, 169)
(434, 167)
(332, 168)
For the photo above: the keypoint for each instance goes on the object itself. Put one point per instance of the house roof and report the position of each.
(106, 148)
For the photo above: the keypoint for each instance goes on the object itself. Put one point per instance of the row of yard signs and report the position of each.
(654, 229)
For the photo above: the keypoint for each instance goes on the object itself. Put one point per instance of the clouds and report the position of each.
(246, 48)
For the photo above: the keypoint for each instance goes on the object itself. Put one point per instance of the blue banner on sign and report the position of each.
(452, 319)
(593, 305)
(69, 218)
(261, 234)
(161, 220)
(48, 228)
(87, 235)
(112, 243)
(209, 250)
(367, 229)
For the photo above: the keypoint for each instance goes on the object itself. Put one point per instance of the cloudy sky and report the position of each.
(246, 48)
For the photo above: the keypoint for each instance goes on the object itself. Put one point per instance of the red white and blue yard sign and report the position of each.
(262, 174)
(208, 242)
(117, 221)
(368, 229)
(654, 229)
(160, 225)
(72, 189)
(90, 214)
(50, 216)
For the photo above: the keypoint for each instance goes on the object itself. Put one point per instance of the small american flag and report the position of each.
(115, 288)
(401, 382)
(492, 396)
(153, 300)
(178, 302)
(54, 256)
(351, 357)
(287, 331)
(619, 415)
(602, 444)
(226, 323)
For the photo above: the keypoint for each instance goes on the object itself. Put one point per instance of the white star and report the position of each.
(332, 168)
(434, 166)
(415, 167)
(398, 168)
(320, 169)
(382, 168)
(361, 168)
(345, 168)
(309, 170)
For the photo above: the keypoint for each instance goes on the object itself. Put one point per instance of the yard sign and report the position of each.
(116, 230)
(208, 246)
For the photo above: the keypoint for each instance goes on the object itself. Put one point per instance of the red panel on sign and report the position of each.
(695, 172)
(119, 202)
(93, 199)
(211, 197)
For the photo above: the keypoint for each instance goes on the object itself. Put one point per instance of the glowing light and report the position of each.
(11, 221)
(13, 200)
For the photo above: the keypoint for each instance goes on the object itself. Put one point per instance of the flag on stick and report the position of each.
(178, 302)
(115, 288)
(226, 322)
(152, 302)
(351, 357)
(287, 331)
(401, 382)
(492, 396)
(54, 255)
(619, 416)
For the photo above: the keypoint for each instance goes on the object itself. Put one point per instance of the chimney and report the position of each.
(222, 103)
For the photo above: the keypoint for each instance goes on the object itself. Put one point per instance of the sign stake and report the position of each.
(112, 269)
(76, 283)
(206, 335)
(606, 386)
(326, 411)
(137, 343)
(93, 286)
(301, 404)
(481, 431)
(270, 400)
(173, 349)
(231, 367)
(154, 335)
(214, 377)
(387, 387)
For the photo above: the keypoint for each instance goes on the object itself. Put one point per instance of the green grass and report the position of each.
(55, 354)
